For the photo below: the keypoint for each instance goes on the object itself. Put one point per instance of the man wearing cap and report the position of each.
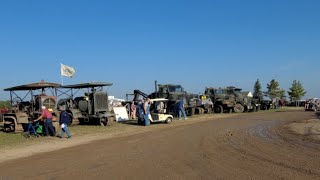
(47, 116)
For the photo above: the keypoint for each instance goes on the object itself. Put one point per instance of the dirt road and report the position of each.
(251, 146)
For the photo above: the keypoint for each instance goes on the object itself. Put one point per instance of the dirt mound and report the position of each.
(310, 128)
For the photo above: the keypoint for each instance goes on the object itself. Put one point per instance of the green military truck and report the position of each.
(231, 99)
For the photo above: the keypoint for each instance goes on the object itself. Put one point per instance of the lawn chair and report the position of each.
(33, 129)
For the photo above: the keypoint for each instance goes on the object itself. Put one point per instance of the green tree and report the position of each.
(273, 89)
(296, 92)
(282, 94)
(257, 93)
(4, 104)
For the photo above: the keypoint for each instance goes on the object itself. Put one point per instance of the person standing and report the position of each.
(181, 109)
(47, 116)
(64, 121)
(133, 109)
(140, 111)
(146, 109)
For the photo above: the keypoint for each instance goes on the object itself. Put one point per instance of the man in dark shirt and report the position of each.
(64, 122)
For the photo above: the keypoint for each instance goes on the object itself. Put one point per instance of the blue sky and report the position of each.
(135, 42)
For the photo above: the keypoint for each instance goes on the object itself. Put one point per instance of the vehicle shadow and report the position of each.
(130, 122)
(318, 115)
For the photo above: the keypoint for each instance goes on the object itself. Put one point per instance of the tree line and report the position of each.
(295, 92)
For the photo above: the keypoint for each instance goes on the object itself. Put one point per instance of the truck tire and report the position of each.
(264, 107)
(218, 109)
(197, 110)
(191, 111)
(238, 108)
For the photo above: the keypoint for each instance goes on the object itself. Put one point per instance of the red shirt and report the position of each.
(46, 114)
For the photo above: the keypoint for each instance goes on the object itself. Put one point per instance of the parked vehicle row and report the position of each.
(92, 105)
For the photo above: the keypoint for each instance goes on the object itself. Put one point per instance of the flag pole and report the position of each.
(61, 74)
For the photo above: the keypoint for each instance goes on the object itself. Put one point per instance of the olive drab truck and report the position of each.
(91, 106)
(173, 92)
(231, 99)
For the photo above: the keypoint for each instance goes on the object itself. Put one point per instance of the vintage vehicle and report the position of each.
(92, 107)
(231, 99)
(24, 110)
(312, 104)
(266, 104)
(194, 104)
(158, 112)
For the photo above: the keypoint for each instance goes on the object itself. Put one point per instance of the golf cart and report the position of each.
(158, 112)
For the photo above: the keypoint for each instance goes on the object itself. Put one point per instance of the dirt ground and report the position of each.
(278, 145)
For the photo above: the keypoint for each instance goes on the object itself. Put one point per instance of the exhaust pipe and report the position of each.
(156, 88)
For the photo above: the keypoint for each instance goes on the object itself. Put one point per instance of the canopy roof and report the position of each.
(33, 86)
(87, 85)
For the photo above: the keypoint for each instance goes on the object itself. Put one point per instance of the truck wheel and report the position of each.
(197, 110)
(169, 120)
(218, 109)
(191, 111)
(71, 119)
(104, 121)
(264, 107)
(257, 108)
(238, 108)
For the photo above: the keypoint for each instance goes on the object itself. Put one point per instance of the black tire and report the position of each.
(104, 121)
(238, 108)
(264, 107)
(257, 108)
(71, 119)
(140, 121)
(197, 110)
(218, 109)
(169, 120)
(191, 111)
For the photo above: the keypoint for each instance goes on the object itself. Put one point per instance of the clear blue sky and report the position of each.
(189, 42)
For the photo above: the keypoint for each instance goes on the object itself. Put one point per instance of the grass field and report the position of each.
(13, 139)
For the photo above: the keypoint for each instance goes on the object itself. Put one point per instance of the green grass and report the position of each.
(14, 139)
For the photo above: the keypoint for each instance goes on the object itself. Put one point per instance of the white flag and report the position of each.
(67, 71)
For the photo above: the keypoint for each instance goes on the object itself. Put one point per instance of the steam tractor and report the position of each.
(24, 110)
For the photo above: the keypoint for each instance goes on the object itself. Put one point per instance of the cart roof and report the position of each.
(87, 85)
(159, 99)
(33, 86)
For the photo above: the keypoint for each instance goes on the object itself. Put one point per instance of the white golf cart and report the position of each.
(158, 112)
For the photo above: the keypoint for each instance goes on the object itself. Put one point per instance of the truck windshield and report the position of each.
(175, 89)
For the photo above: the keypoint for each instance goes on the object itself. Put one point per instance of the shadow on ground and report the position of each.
(130, 122)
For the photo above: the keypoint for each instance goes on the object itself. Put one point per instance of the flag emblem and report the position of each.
(67, 71)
